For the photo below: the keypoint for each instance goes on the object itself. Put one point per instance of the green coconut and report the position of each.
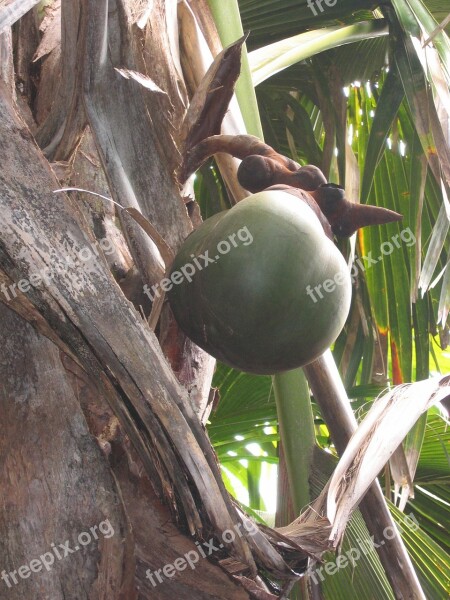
(260, 286)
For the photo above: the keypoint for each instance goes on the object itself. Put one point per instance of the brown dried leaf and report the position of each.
(212, 98)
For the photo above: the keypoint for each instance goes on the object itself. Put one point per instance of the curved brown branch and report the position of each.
(239, 146)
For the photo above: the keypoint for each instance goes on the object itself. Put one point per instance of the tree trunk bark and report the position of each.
(71, 484)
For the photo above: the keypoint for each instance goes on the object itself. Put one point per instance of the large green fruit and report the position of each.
(260, 286)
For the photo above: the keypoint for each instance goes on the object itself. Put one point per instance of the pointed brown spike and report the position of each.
(362, 215)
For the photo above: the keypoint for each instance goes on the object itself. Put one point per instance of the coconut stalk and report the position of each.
(329, 392)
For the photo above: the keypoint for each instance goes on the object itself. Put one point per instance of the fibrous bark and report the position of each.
(56, 484)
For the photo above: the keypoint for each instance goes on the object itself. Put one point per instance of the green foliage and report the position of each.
(373, 100)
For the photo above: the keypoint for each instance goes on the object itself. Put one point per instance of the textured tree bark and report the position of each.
(56, 483)
(140, 159)
(81, 301)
